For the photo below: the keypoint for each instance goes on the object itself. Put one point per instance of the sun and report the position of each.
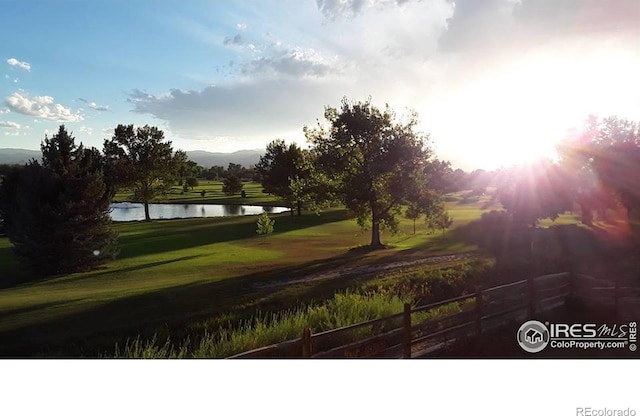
(520, 113)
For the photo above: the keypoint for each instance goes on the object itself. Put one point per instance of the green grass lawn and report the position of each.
(177, 273)
(213, 195)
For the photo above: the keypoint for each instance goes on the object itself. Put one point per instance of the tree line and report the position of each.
(365, 158)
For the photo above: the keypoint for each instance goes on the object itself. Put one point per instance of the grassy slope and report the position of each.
(171, 272)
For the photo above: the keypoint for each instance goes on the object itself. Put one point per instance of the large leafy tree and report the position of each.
(534, 192)
(616, 160)
(142, 159)
(57, 210)
(374, 162)
(282, 165)
(602, 163)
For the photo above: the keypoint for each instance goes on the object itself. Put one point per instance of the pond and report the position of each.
(127, 211)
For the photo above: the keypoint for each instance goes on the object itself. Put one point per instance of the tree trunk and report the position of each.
(414, 226)
(586, 214)
(291, 210)
(299, 208)
(375, 235)
(147, 217)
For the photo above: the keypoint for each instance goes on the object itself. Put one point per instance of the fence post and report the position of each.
(407, 330)
(306, 342)
(531, 307)
(479, 310)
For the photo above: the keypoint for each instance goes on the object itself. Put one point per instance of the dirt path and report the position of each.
(368, 269)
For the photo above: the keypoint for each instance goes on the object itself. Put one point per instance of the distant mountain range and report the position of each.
(202, 158)
(18, 156)
(242, 157)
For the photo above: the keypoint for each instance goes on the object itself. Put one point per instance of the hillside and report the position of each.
(208, 159)
(18, 156)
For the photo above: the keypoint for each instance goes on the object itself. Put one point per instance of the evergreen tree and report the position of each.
(57, 210)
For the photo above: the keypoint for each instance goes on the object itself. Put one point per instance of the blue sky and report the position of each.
(494, 82)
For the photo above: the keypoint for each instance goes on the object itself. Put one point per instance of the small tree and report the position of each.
(232, 185)
(439, 220)
(280, 167)
(191, 182)
(265, 224)
(413, 212)
(428, 202)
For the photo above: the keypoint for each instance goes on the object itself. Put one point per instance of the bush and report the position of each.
(265, 224)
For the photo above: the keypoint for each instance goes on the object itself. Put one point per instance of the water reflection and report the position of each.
(233, 210)
(127, 211)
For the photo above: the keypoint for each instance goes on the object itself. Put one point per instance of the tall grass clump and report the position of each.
(341, 310)
(378, 299)
(424, 285)
(137, 348)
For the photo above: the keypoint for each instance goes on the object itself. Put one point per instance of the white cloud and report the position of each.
(9, 124)
(293, 62)
(92, 105)
(19, 64)
(350, 8)
(241, 26)
(97, 107)
(42, 107)
(107, 131)
(11, 133)
(85, 129)
(457, 63)
(5, 111)
(262, 108)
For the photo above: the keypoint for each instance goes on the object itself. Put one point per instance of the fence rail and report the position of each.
(414, 331)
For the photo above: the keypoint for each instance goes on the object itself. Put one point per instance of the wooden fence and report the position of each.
(425, 328)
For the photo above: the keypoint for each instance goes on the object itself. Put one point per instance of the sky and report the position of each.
(494, 82)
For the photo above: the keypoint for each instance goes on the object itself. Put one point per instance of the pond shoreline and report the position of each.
(191, 201)
(134, 211)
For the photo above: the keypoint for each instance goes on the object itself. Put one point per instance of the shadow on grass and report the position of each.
(124, 270)
(35, 308)
(91, 332)
(522, 250)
